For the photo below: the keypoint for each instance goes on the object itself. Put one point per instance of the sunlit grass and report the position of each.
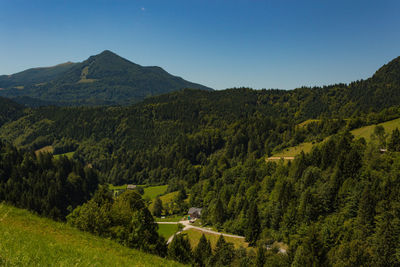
(28, 240)
(167, 230)
(194, 237)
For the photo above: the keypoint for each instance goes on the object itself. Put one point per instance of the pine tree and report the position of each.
(202, 252)
(253, 228)
(385, 241)
(224, 253)
(260, 257)
(158, 207)
(218, 215)
(394, 142)
(180, 249)
(366, 210)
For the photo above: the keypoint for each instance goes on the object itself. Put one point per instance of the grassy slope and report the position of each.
(167, 198)
(154, 191)
(293, 151)
(364, 132)
(172, 218)
(368, 130)
(46, 149)
(68, 155)
(50, 149)
(28, 240)
(167, 230)
(150, 192)
(194, 237)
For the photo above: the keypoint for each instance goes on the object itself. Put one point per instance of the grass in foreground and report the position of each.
(28, 240)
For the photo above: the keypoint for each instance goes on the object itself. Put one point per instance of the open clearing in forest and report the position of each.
(153, 191)
(46, 149)
(195, 234)
(167, 230)
(365, 132)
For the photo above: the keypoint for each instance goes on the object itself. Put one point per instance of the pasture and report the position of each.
(29, 240)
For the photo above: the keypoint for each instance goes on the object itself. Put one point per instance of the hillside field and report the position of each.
(28, 240)
(363, 132)
(153, 191)
(194, 238)
(366, 131)
(167, 230)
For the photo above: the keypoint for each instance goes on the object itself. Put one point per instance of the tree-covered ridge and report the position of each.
(104, 79)
(9, 110)
(34, 76)
(40, 183)
(152, 140)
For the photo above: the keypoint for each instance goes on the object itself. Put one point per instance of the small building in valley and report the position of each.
(130, 187)
(194, 213)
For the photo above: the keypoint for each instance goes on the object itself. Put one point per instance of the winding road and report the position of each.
(188, 226)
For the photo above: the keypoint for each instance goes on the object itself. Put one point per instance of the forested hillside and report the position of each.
(335, 206)
(9, 110)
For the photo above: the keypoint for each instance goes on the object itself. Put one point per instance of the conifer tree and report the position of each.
(260, 257)
(202, 252)
(253, 227)
(180, 249)
(158, 207)
(394, 142)
(224, 253)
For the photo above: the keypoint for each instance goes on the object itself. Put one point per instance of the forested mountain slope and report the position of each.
(104, 79)
(150, 140)
(9, 110)
(34, 76)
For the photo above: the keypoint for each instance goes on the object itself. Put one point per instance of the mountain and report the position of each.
(104, 79)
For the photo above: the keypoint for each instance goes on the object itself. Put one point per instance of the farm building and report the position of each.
(195, 212)
(131, 187)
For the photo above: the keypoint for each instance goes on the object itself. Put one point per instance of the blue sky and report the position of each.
(261, 44)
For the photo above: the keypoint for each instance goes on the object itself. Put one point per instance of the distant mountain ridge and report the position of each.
(103, 79)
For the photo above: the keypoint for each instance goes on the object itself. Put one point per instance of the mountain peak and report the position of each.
(107, 53)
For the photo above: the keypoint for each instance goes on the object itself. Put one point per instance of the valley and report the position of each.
(130, 173)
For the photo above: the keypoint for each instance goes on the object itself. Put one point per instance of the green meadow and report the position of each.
(153, 191)
(366, 131)
(363, 132)
(29, 240)
(167, 230)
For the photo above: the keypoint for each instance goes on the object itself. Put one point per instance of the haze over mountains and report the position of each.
(103, 79)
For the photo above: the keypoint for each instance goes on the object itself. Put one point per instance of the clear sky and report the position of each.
(261, 44)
